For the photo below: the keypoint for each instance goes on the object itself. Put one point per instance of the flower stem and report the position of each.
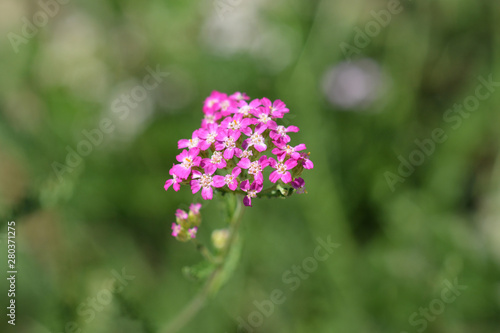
(205, 252)
(268, 189)
(216, 279)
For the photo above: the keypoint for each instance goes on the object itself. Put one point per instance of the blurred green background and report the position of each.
(358, 110)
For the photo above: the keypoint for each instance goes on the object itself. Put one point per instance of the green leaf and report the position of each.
(199, 272)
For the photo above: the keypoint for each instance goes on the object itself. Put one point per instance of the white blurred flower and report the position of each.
(69, 57)
(238, 28)
(354, 85)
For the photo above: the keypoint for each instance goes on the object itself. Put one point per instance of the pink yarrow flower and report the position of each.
(209, 118)
(238, 96)
(283, 150)
(227, 106)
(276, 109)
(247, 153)
(279, 134)
(212, 102)
(246, 109)
(227, 142)
(208, 136)
(204, 182)
(175, 182)
(281, 171)
(264, 118)
(189, 143)
(188, 160)
(252, 191)
(210, 165)
(306, 162)
(256, 140)
(237, 134)
(230, 180)
(238, 123)
(255, 168)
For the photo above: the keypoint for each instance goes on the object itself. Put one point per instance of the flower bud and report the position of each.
(299, 185)
(194, 216)
(180, 233)
(192, 232)
(187, 223)
(181, 218)
(220, 238)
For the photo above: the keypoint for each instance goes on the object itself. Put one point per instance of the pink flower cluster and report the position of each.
(186, 225)
(227, 151)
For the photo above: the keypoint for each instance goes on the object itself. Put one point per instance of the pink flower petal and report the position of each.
(271, 124)
(219, 181)
(274, 176)
(236, 172)
(272, 162)
(181, 172)
(195, 186)
(183, 143)
(290, 164)
(222, 164)
(193, 152)
(233, 185)
(181, 156)
(258, 177)
(274, 135)
(245, 185)
(196, 160)
(244, 163)
(256, 186)
(300, 147)
(263, 161)
(286, 178)
(255, 103)
(195, 208)
(228, 154)
(308, 164)
(210, 168)
(260, 147)
(266, 102)
(207, 193)
(247, 201)
(219, 146)
(247, 131)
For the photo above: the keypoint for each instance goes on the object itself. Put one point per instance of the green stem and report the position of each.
(193, 307)
(213, 282)
(234, 224)
(205, 252)
(271, 192)
(268, 189)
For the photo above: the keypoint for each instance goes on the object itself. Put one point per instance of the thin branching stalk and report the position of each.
(213, 283)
